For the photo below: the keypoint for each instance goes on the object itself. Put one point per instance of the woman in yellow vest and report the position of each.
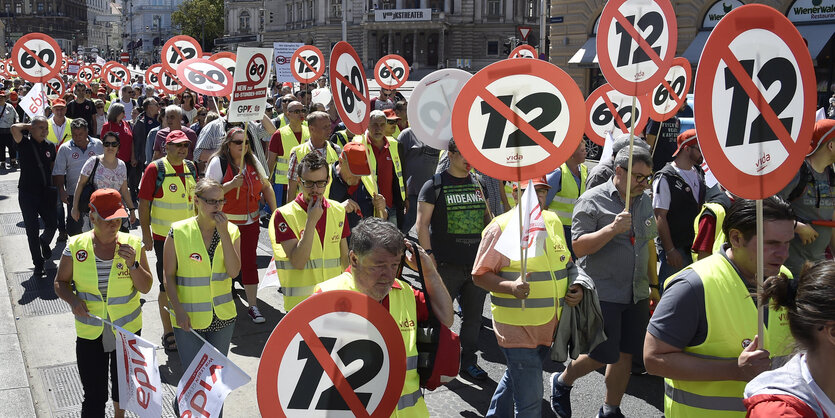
(102, 273)
(201, 255)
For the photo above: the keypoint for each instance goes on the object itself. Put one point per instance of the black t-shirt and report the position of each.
(30, 178)
(84, 111)
(665, 144)
(457, 219)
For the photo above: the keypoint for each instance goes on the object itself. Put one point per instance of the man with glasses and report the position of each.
(283, 120)
(68, 163)
(615, 250)
(199, 120)
(319, 126)
(386, 167)
(384, 101)
(309, 234)
(282, 143)
(173, 122)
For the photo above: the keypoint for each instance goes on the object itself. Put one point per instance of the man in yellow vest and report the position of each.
(282, 143)
(165, 196)
(567, 183)
(703, 335)
(525, 334)
(309, 235)
(386, 166)
(377, 248)
(319, 127)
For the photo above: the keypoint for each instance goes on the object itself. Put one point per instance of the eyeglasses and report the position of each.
(309, 184)
(391, 121)
(213, 202)
(298, 111)
(238, 142)
(111, 144)
(640, 179)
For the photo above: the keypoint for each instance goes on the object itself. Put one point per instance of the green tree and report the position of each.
(200, 19)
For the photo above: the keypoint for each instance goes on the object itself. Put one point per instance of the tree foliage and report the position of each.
(200, 19)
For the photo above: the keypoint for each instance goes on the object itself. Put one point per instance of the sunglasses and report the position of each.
(238, 142)
(286, 100)
(111, 144)
(298, 111)
(391, 121)
(639, 179)
(213, 202)
(181, 145)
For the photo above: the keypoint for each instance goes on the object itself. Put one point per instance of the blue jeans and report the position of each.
(521, 384)
(665, 270)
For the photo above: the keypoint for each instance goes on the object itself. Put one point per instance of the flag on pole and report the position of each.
(35, 102)
(821, 114)
(140, 387)
(533, 234)
(607, 146)
(206, 383)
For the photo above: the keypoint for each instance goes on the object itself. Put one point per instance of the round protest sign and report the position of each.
(518, 119)
(226, 59)
(54, 87)
(116, 76)
(431, 103)
(338, 352)
(523, 51)
(169, 83)
(3, 68)
(668, 97)
(178, 49)
(96, 70)
(756, 94)
(36, 57)
(307, 64)
(205, 77)
(152, 76)
(11, 69)
(610, 112)
(391, 71)
(349, 88)
(85, 74)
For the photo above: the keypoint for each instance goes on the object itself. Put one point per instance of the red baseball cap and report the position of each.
(3, 93)
(354, 153)
(390, 114)
(685, 138)
(824, 131)
(59, 103)
(176, 136)
(107, 203)
(539, 181)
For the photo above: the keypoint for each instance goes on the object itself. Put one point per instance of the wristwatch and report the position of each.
(134, 266)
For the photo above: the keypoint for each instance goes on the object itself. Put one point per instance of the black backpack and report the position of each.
(807, 178)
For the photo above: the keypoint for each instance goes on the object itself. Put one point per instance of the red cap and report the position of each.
(824, 131)
(3, 93)
(390, 114)
(539, 181)
(176, 136)
(102, 90)
(59, 103)
(107, 203)
(13, 96)
(685, 138)
(354, 153)
(287, 84)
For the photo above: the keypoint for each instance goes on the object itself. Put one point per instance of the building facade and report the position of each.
(64, 20)
(146, 27)
(101, 19)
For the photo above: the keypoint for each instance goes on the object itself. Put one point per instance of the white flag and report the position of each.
(821, 114)
(270, 278)
(100, 61)
(607, 146)
(35, 102)
(140, 387)
(533, 228)
(710, 179)
(207, 381)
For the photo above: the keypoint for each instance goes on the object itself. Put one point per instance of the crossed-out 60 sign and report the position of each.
(256, 69)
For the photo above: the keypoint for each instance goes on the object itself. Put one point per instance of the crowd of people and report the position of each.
(340, 205)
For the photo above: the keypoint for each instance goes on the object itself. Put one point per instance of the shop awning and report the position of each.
(694, 51)
(817, 36)
(587, 54)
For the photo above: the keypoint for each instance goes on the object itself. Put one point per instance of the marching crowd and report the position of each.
(655, 273)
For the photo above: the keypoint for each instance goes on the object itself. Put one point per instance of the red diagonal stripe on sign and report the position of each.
(307, 64)
(35, 56)
(205, 76)
(669, 88)
(329, 366)
(352, 87)
(517, 120)
(391, 72)
(615, 114)
(642, 43)
(177, 50)
(757, 97)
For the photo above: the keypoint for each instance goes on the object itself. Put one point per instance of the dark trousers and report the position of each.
(459, 282)
(60, 215)
(6, 141)
(73, 226)
(134, 177)
(159, 249)
(34, 203)
(93, 367)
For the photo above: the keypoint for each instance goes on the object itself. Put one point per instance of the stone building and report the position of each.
(64, 20)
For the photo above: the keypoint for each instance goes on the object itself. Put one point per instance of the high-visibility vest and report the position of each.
(719, 235)
(122, 301)
(288, 142)
(731, 320)
(51, 136)
(325, 258)
(203, 285)
(548, 279)
(176, 202)
(331, 157)
(243, 207)
(403, 309)
(508, 191)
(370, 182)
(341, 137)
(566, 198)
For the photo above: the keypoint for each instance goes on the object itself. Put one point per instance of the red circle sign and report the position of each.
(609, 111)
(256, 69)
(178, 49)
(152, 76)
(349, 88)
(636, 42)
(54, 86)
(518, 119)
(85, 74)
(116, 76)
(96, 70)
(169, 83)
(307, 64)
(666, 99)
(391, 71)
(523, 51)
(226, 59)
(205, 77)
(755, 138)
(303, 348)
(37, 57)
(3, 72)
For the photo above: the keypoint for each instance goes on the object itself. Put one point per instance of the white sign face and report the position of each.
(182, 48)
(609, 112)
(812, 11)
(391, 71)
(249, 94)
(718, 11)
(431, 103)
(349, 87)
(86, 74)
(283, 52)
(402, 15)
(38, 58)
(308, 65)
(668, 97)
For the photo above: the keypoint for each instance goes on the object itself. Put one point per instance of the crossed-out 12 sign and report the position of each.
(523, 51)
(169, 84)
(339, 354)
(11, 68)
(3, 68)
(636, 42)
(391, 71)
(610, 112)
(666, 98)
(307, 64)
(518, 119)
(226, 59)
(37, 57)
(96, 70)
(152, 76)
(55, 86)
(349, 87)
(756, 90)
(116, 76)
(431, 103)
(85, 74)
(205, 77)
(178, 49)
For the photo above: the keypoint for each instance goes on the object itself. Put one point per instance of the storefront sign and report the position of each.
(812, 11)
(718, 11)
(402, 15)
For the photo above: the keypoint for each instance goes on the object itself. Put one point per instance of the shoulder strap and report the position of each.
(805, 178)
(191, 168)
(223, 164)
(160, 175)
(90, 180)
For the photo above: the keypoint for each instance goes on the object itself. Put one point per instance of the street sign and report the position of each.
(226, 59)
(391, 71)
(36, 57)
(524, 31)
(85, 75)
(556, 19)
(249, 94)
(152, 77)
(636, 42)
(169, 83)
(431, 103)
(666, 98)
(179, 49)
(125, 57)
(610, 111)
(756, 94)
(55, 86)
(349, 88)
(518, 119)
(116, 76)
(205, 77)
(307, 64)
(338, 352)
(523, 51)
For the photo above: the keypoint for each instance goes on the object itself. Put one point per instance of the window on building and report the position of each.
(336, 8)
(290, 13)
(387, 4)
(18, 8)
(494, 8)
(437, 5)
(40, 7)
(492, 48)
(310, 10)
(244, 20)
(299, 11)
(530, 8)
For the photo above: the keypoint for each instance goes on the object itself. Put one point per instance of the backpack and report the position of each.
(806, 178)
(161, 174)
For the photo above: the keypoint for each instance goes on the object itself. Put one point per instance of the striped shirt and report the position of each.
(103, 272)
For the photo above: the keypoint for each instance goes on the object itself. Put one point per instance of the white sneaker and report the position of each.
(255, 315)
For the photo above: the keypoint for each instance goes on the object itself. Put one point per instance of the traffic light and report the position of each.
(506, 47)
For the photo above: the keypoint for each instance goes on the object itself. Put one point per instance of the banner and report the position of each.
(35, 102)
(283, 52)
(207, 381)
(249, 93)
(140, 387)
(533, 228)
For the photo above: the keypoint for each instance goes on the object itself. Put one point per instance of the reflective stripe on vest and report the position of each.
(409, 400)
(303, 291)
(288, 142)
(176, 202)
(564, 201)
(242, 218)
(311, 264)
(714, 403)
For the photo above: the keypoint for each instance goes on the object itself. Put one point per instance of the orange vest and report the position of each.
(242, 209)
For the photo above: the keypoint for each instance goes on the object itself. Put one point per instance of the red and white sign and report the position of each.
(226, 59)
(3, 72)
(85, 75)
(65, 63)
(336, 352)
(523, 51)
(55, 87)
(636, 43)
(116, 76)
(179, 49)
(756, 91)
(152, 76)
(391, 71)
(249, 94)
(210, 377)
(125, 57)
(518, 119)
(431, 103)
(37, 57)
(609, 111)
(349, 88)
(11, 68)
(666, 99)
(140, 386)
(524, 31)
(35, 102)
(96, 70)
(307, 64)
(169, 83)
(205, 77)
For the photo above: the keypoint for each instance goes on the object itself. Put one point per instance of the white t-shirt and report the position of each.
(105, 177)
(661, 190)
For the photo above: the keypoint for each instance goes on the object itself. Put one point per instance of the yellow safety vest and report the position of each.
(325, 258)
(566, 198)
(51, 136)
(508, 191)
(403, 309)
(731, 319)
(719, 235)
(548, 279)
(176, 202)
(342, 137)
(288, 141)
(122, 301)
(331, 157)
(370, 182)
(203, 285)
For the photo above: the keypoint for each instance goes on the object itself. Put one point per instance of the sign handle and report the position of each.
(631, 144)
(243, 153)
(655, 143)
(760, 272)
(474, 178)
(522, 249)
